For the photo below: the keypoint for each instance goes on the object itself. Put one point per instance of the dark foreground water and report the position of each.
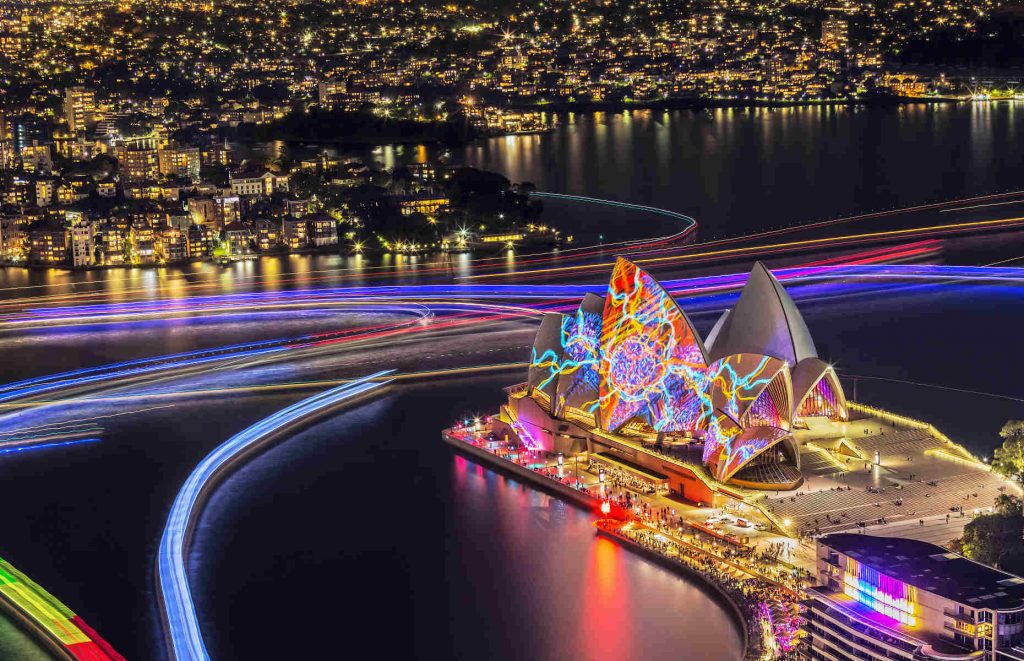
(367, 530)
(365, 534)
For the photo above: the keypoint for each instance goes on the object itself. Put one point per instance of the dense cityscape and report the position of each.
(124, 142)
(712, 304)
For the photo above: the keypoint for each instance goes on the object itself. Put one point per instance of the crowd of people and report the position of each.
(767, 607)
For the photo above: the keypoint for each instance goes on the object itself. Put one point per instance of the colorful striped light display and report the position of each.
(59, 621)
(887, 595)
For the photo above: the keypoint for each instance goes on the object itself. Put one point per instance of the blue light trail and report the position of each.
(43, 446)
(179, 614)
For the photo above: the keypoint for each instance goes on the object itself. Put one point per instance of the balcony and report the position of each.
(962, 617)
(963, 629)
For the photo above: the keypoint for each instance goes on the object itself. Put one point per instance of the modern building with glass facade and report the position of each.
(894, 598)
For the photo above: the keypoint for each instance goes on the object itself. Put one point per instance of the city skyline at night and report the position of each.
(508, 330)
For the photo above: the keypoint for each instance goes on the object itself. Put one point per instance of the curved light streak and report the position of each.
(179, 614)
(426, 299)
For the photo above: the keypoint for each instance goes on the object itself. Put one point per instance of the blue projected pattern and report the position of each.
(642, 360)
(579, 381)
(652, 364)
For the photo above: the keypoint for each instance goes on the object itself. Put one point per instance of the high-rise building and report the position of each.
(27, 131)
(139, 164)
(83, 244)
(79, 108)
(181, 162)
(835, 34)
(6, 147)
(892, 598)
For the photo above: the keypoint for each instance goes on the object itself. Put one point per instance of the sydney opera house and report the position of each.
(627, 379)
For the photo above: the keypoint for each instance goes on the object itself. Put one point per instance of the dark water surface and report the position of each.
(366, 533)
(367, 526)
(738, 171)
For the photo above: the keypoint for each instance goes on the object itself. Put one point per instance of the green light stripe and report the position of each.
(40, 606)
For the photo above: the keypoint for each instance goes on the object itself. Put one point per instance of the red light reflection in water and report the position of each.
(605, 628)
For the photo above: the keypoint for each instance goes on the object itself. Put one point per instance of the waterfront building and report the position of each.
(202, 241)
(893, 598)
(427, 204)
(239, 239)
(47, 243)
(296, 233)
(322, 230)
(83, 245)
(143, 244)
(627, 375)
(268, 234)
(172, 245)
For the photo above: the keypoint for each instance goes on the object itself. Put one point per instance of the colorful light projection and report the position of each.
(652, 362)
(740, 449)
(821, 401)
(579, 381)
(640, 360)
(771, 408)
(881, 593)
(723, 429)
(738, 380)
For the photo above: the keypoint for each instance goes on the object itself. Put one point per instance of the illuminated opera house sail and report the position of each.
(627, 377)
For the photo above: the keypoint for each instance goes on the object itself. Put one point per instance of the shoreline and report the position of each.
(694, 103)
(585, 500)
(723, 103)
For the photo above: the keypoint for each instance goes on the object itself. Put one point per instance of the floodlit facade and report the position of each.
(628, 371)
(893, 598)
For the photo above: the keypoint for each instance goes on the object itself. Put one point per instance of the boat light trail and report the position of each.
(60, 623)
(44, 446)
(179, 614)
(776, 248)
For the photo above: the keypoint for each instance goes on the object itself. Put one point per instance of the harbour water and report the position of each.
(365, 534)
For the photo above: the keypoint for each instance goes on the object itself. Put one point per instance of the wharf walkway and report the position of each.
(762, 594)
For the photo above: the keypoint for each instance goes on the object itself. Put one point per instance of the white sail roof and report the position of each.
(764, 321)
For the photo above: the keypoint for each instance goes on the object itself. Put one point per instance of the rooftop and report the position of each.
(933, 569)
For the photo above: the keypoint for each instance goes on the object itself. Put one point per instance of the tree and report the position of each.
(1009, 505)
(401, 180)
(995, 539)
(307, 184)
(1009, 459)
